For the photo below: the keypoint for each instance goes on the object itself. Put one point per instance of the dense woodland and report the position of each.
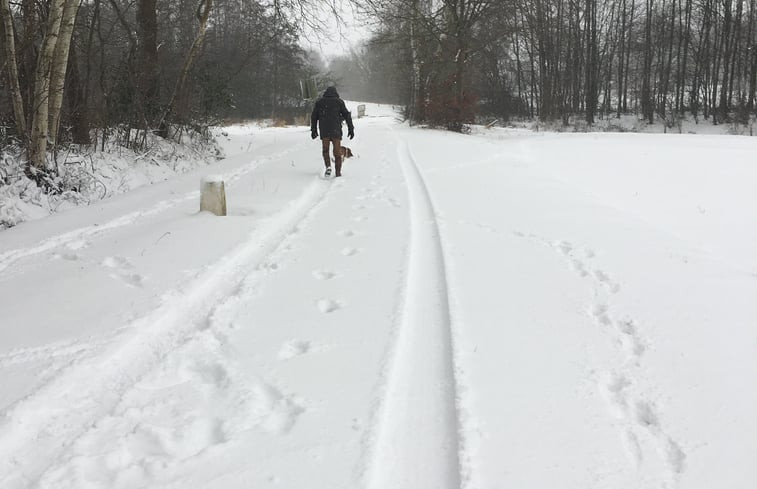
(119, 70)
(104, 70)
(449, 60)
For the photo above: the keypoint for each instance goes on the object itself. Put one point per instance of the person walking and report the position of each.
(327, 116)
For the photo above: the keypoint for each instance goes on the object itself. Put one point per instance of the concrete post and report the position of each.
(360, 111)
(213, 195)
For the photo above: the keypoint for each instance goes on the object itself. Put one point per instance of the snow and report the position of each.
(504, 309)
(88, 175)
(212, 179)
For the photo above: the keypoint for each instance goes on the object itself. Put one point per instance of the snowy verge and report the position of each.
(86, 176)
(627, 123)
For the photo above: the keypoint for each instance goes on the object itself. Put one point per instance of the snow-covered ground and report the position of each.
(507, 309)
(86, 175)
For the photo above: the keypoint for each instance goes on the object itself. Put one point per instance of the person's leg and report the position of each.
(338, 156)
(325, 150)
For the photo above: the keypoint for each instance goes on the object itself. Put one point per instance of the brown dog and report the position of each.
(345, 152)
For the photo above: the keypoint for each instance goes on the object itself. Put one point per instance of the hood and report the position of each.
(330, 92)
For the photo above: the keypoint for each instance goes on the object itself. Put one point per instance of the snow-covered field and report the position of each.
(503, 310)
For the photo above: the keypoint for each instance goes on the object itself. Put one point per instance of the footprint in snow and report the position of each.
(323, 274)
(646, 416)
(116, 262)
(327, 305)
(359, 218)
(630, 339)
(564, 247)
(274, 412)
(123, 271)
(632, 447)
(130, 279)
(579, 267)
(294, 348)
(349, 251)
(346, 233)
(600, 313)
(605, 280)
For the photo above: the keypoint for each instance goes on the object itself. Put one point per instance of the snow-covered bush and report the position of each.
(81, 175)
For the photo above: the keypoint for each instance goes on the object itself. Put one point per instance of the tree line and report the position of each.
(449, 60)
(122, 70)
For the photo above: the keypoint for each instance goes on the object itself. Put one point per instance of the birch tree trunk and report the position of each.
(60, 65)
(203, 13)
(753, 51)
(415, 78)
(10, 56)
(41, 98)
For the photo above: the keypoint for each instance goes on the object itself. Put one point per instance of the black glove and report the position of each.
(313, 134)
(351, 134)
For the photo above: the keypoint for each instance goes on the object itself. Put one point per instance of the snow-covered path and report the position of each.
(498, 310)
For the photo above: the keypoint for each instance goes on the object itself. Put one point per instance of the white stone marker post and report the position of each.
(213, 195)
(360, 111)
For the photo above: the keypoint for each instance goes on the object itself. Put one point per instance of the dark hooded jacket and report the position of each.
(328, 113)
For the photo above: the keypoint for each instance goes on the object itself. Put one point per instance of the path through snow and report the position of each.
(498, 310)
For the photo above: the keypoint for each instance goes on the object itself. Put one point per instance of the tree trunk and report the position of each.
(647, 104)
(628, 57)
(726, 44)
(753, 52)
(41, 99)
(77, 103)
(203, 13)
(147, 59)
(59, 66)
(10, 57)
(591, 89)
(621, 56)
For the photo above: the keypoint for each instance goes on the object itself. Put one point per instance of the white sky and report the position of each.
(340, 38)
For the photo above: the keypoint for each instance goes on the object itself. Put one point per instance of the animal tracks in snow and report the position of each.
(638, 414)
(576, 259)
(639, 420)
(123, 271)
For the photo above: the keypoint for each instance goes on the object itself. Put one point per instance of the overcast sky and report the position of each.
(339, 39)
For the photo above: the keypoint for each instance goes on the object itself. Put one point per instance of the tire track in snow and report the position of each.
(416, 442)
(78, 237)
(36, 430)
